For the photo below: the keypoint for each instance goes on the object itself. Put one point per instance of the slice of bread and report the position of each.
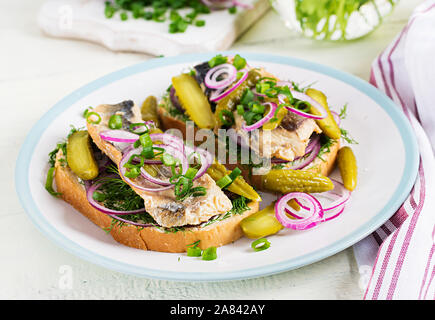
(216, 234)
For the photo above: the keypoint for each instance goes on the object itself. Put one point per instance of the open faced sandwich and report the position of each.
(152, 189)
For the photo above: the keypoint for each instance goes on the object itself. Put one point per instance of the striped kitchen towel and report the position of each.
(397, 261)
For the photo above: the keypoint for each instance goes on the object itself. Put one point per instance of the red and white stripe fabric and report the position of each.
(398, 260)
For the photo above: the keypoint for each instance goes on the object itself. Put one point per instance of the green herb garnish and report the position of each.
(115, 122)
(217, 60)
(159, 11)
(343, 112)
(260, 244)
(239, 62)
(52, 161)
(209, 254)
(345, 136)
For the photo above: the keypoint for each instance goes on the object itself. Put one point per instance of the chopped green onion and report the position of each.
(145, 140)
(198, 191)
(148, 152)
(135, 126)
(260, 244)
(224, 181)
(168, 160)
(85, 113)
(235, 173)
(247, 97)
(109, 10)
(90, 114)
(182, 187)
(124, 16)
(191, 173)
(271, 93)
(129, 163)
(98, 196)
(194, 252)
(115, 122)
(249, 117)
(285, 90)
(232, 10)
(199, 23)
(174, 178)
(258, 108)
(217, 60)
(132, 173)
(239, 62)
(262, 87)
(302, 105)
(49, 182)
(240, 109)
(209, 254)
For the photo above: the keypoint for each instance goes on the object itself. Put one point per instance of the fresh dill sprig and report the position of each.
(343, 112)
(118, 195)
(345, 136)
(325, 146)
(240, 205)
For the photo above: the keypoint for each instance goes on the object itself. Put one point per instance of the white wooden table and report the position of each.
(36, 71)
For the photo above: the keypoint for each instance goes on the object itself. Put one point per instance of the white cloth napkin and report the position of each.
(397, 261)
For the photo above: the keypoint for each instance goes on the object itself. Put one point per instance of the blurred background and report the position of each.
(51, 48)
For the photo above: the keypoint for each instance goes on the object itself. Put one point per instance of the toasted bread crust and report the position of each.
(150, 238)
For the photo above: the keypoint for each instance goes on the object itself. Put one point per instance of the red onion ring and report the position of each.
(221, 93)
(266, 118)
(89, 195)
(176, 153)
(122, 171)
(304, 161)
(119, 136)
(139, 151)
(149, 124)
(211, 78)
(298, 224)
(303, 97)
(339, 196)
(285, 83)
(206, 160)
(167, 139)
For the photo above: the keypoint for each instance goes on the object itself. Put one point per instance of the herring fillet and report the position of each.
(288, 141)
(162, 206)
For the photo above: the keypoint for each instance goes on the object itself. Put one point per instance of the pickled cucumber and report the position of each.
(193, 100)
(328, 124)
(238, 186)
(286, 180)
(149, 110)
(80, 157)
(348, 168)
(261, 223)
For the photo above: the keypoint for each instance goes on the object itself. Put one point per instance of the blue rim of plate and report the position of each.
(399, 195)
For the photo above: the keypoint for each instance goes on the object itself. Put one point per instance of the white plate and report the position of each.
(387, 158)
